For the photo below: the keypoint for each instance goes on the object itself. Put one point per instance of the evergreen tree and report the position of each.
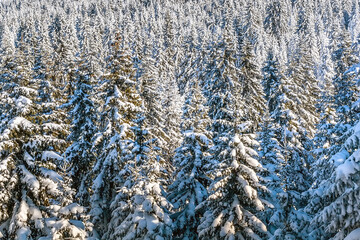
(345, 85)
(83, 114)
(271, 151)
(140, 209)
(272, 159)
(233, 198)
(170, 95)
(253, 29)
(271, 81)
(66, 45)
(275, 22)
(150, 87)
(91, 47)
(302, 73)
(251, 89)
(191, 160)
(284, 106)
(121, 104)
(325, 135)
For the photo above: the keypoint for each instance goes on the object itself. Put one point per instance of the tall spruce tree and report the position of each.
(140, 209)
(228, 212)
(121, 104)
(345, 85)
(271, 151)
(284, 105)
(251, 89)
(170, 95)
(150, 87)
(191, 161)
(325, 136)
(83, 115)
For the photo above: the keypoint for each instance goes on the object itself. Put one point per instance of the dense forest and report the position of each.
(187, 119)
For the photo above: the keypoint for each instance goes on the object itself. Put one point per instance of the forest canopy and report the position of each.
(189, 119)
